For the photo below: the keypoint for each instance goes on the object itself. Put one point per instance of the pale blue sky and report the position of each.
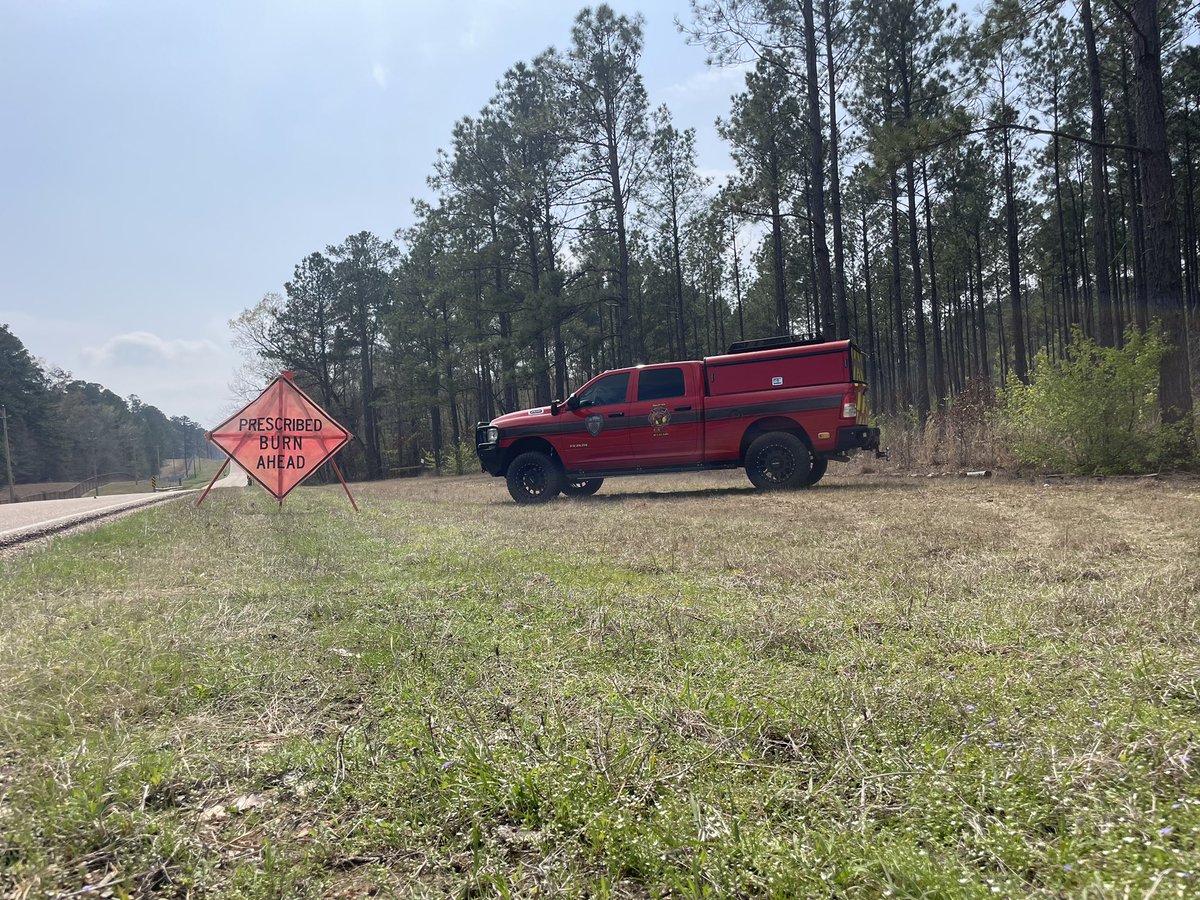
(164, 164)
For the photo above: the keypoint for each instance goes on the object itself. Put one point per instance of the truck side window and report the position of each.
(607, 391)
(659, 384)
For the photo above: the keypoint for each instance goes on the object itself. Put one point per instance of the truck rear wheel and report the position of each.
(583, 487)
(817, 472)
(778, 460)
(534, 478)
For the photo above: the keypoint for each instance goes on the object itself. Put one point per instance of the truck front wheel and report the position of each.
(534, 478)
(584, 487)
(778, 460)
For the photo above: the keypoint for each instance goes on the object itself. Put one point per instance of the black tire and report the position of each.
(817, 472)
(583, 487)
(778, 461)
(534, 478)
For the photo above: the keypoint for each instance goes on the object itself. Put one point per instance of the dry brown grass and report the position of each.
(679, 687)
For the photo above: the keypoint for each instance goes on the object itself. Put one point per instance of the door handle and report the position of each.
(682, 408)
(616, 415)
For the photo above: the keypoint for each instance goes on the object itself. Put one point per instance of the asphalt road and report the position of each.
(19, 521)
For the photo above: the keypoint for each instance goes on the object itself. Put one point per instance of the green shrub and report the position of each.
(455, 460)
(1093, 412)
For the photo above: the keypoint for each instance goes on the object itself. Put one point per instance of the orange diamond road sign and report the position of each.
(281, 438)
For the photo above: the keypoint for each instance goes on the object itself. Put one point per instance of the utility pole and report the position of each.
(12, 491)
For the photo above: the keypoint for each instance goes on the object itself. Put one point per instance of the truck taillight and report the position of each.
(850, 405)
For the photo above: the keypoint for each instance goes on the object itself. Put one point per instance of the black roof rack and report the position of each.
(773, 343)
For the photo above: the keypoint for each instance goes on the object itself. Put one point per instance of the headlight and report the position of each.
(493, 434)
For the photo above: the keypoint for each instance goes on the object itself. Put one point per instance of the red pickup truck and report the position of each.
(780, 407)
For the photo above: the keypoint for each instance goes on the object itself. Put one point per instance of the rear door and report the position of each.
(600, 436)
(664, 416)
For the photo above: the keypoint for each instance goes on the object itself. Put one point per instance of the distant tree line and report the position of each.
(63, 429)
(955, 195)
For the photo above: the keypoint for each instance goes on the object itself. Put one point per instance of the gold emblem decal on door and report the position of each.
(660, 416)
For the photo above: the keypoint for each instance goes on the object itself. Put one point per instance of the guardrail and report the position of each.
(71, 493)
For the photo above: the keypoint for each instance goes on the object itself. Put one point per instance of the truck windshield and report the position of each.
(608, 390)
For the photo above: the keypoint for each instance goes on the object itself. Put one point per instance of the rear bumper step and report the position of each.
(857, 437)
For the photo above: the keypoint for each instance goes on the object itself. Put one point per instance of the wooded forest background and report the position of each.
(62, 429)
(955, 194)
(963, 196)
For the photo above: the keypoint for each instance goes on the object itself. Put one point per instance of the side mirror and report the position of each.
(572, 402)
(554, 407)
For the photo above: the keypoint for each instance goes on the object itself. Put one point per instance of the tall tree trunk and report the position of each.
(435, 407)
(914, 251)
(623, 347)
(970, 326)
(541, 375)
(452, 394)
(737, 277)
(370, 423)
(1123, 283)
(556, 315)
(508, 363)
(1087, 313)
(1161, 265)
(820, 240)
(1101, 217)
(872, 348)
(487, 398)
(1014, 265)
(985, 364)
(677, 259)
(922, 379)
(939, 362)
(1064, 266)
(903, 395)
(835, 184)
(1000, 329)
(782, 315)
(1141, 301)
(1192, 281)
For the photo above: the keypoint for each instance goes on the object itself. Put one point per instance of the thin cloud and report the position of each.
(379, 74)
(145, 348)
(709, 79)
(469, 39)
(484, 18)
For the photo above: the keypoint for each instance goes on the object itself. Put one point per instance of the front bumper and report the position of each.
(491, 457)
(857, 437)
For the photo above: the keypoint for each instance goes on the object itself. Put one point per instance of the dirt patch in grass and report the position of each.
(678, 687)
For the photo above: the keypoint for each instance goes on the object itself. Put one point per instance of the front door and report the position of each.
(601, 438)
(664, 417)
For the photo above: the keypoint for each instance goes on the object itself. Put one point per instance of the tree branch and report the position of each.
(1028, 129)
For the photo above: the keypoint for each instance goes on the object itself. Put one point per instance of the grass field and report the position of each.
(677, 688)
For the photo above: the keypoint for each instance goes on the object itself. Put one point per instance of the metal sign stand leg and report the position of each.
(220, 471)
(346, 487)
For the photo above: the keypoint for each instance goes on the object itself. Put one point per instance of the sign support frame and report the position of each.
(346, 487)
(220, 471)
(284, 379)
